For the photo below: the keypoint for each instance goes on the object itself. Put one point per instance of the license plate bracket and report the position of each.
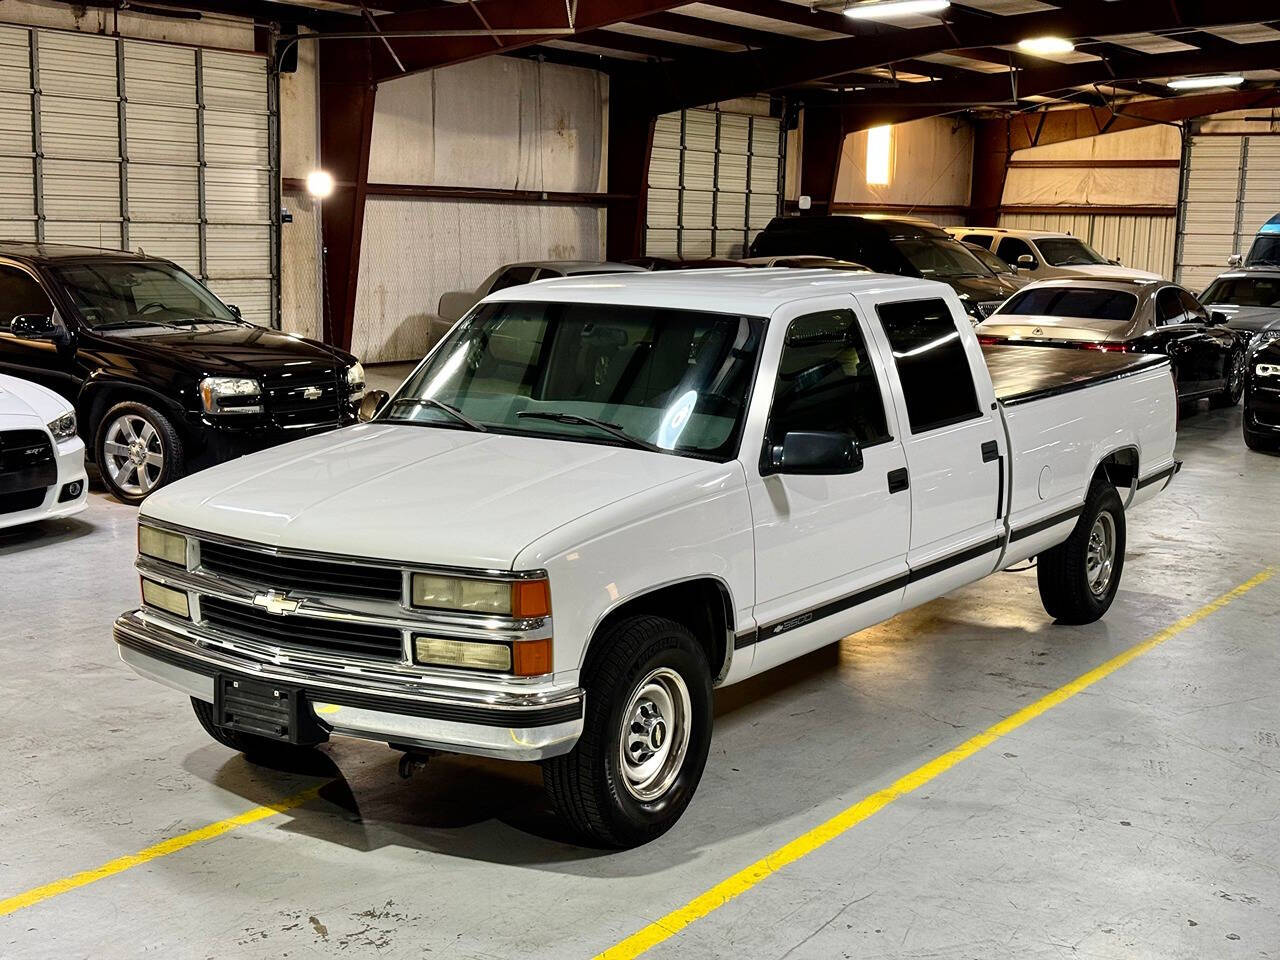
(265, 709)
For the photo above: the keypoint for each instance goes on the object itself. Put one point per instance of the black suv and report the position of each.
(903, 246)
(165, 377)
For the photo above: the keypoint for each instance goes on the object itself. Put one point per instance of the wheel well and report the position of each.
(1120, 468)
(98, 399)
(702, 605)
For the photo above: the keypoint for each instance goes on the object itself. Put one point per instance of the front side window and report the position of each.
(19, 295)
(1011, 248)
(936, 259)
(1083, 303)
(1243, 292)
(826, 381)
(676, 381)
(119, 293)
(1069, 252)
(933, 367)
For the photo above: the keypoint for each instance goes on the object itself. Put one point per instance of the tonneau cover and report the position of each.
(1023, 373)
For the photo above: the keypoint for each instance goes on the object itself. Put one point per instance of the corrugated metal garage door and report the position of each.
(143, 146)
(713, 182)
(1231, 186)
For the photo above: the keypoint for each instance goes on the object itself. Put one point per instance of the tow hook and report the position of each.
(414, 761)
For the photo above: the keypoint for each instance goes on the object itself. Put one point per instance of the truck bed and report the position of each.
(1021, 374)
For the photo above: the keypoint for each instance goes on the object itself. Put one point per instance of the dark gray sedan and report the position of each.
(1250, 298)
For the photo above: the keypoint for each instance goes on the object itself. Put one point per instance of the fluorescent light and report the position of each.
(319, 183)
(1043, 46)
(879, 155)
(889, 9)
(1199, 83)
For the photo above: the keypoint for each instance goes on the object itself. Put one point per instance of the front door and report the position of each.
(954, 442)
(1194, 354)
(42, 361)
(831, 551)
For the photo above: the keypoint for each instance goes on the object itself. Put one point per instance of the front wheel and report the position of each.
(1237, 366)
(138, 449)
(645, 737)
(1078, 578)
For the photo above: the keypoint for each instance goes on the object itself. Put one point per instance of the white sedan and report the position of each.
(41, 457)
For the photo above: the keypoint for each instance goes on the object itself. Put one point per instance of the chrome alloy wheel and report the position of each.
(1100, 560)
(133, 454)
(1235, 379)
(655, 734)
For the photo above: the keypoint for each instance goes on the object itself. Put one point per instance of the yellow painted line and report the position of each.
(803, 845)
(162, 849)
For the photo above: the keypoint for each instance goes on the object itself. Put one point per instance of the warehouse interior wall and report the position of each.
(301, 282)
(930, 166)
(1046, 187)
(498, 123)
(211, 30)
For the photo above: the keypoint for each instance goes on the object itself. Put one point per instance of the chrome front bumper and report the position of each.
(506, 724)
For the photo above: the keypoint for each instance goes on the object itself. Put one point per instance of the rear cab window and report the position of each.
(933, 367)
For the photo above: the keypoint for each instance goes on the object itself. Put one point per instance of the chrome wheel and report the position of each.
(1235, 380)
(1100, 559)
(655, 734)
(133, 454)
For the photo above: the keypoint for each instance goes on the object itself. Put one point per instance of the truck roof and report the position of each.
(747, 291)
(47, 252)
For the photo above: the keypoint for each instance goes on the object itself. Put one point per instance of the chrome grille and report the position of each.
(303, 399)
(302, 632)
(284, 572)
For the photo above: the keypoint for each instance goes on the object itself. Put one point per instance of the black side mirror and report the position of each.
(37, 326)
(1218, 318)
(813, 452)
(235, 311)
(371, 403)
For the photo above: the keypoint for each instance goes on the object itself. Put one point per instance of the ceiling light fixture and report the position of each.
(1200, 83)
(319, 183)
(892, 9)
(1044, 46)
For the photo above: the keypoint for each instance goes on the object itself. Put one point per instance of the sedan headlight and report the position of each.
(355, 379)
(162, 545)
(523, 599)
(230, 395)
(64, 428)
(1266, 336)
(1267, 369)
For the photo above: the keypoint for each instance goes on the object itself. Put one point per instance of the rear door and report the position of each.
(954, 443)
(831, 550)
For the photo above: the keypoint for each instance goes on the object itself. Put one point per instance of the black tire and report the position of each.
(1064, 573)
(259, 750)
(1259, 441)
(1236, 372)
(162, 440)
(589, 787)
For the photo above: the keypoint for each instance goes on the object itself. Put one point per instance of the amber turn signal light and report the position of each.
(531, 658)
(530, 599)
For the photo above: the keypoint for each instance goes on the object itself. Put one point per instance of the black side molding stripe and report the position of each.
(805, 617)
(1164, 474)
(1042, 525)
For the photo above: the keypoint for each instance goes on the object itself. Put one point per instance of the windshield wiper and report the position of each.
(441, 405)
(124, 324)
(610, 428)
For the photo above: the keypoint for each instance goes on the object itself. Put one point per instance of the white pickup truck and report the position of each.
(597, 499)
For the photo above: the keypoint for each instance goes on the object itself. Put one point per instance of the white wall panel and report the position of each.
(413, 250)
(931, 163)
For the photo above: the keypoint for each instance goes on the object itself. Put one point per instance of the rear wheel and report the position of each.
(645, 736)
(260, 750)
(1236, 368)
(1078, 579)
(138, 450)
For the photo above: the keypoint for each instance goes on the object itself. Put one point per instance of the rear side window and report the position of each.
(933, 367)
(826, 381)
(1085, 303)
(980, 239)
(513, 277)
(1191, 305)
(19, 294)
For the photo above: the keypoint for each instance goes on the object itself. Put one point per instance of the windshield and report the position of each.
(990, 260)
(1083, 303)
(1243, 292)
(677, 380)
(1068, 252)
(1265, 250)
(941, 258)
(113, 293)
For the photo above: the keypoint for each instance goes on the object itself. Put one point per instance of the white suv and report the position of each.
(1044, 255)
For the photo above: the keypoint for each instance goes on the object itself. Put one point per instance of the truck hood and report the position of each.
(1017, 327)
(422, 495)
(227, 349)
(1103, 270)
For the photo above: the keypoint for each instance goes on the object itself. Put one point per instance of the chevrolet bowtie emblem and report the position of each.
(312, 393)
(276, 603)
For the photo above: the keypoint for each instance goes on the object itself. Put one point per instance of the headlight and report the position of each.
(443, 652)
(230, 395)
(162, 545)
(524, 599)
(64, 428)
(166, 598)
(355, 379)
(1267, 369)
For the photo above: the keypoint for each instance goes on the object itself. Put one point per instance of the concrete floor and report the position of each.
(1137, 820)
